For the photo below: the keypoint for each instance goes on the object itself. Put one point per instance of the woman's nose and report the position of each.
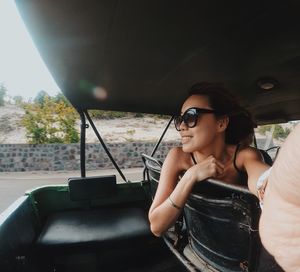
(182, 126)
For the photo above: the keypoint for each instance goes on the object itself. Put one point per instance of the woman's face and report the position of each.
(207, 126)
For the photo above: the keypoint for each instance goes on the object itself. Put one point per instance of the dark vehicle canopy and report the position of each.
(142, 56)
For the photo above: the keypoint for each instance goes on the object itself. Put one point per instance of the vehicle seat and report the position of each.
(152, 171)
(93, 227)
(71, 230)
(222, 223)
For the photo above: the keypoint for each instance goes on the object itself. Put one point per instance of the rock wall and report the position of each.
(56, 157)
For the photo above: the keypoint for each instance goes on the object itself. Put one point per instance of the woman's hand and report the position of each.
(208, 168)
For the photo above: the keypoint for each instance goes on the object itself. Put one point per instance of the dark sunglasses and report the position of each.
(190, 117)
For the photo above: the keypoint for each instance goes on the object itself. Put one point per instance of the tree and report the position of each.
(279, 131)
(61, 98)
(3, 92)
(50, 122)
(40, 97)
(18, 99)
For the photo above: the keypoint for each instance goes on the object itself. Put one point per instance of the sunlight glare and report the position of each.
(22, 71)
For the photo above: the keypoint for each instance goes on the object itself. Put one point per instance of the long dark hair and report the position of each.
(241, 125)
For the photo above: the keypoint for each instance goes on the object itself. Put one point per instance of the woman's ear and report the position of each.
(222, 123)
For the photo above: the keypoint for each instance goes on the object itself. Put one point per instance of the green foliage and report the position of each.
(130, 131)
(41, 97)
(61, 98)
(161, 116)
(279, 131)
(101, 114)
(18, 99)
(139, 115)
(3, 92)
(48, 121)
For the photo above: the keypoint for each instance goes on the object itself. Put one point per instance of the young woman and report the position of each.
(214, 132)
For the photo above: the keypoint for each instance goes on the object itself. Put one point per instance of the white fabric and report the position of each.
(260, 182)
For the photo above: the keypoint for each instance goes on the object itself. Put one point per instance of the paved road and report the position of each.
(15, 184)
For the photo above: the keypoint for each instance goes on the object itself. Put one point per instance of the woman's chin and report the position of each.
(187, 148)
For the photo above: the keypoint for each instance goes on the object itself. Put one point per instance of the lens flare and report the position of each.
(100, 93)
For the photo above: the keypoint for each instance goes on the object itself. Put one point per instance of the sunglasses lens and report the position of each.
(177, 122)
(190, 118)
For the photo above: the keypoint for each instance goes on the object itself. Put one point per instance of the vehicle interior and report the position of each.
(142, 56)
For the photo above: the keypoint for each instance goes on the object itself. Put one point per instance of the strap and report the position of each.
(193, 158)
(234, 160)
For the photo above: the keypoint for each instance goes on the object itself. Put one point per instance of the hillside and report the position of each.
(114, 130)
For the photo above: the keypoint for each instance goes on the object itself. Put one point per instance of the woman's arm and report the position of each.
(251, 160)
(163, 213)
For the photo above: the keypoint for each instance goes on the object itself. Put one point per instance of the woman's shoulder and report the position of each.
(245, 155)
(177, 156)
(178, 153)
(249, 153)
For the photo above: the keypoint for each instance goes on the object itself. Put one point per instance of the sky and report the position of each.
(22, 71)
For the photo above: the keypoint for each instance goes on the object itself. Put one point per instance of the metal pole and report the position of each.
(82, 143)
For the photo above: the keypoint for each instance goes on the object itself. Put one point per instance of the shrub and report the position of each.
(3, 92)
(101, 114)
(279, 131)
(18, 99)
(50, 122)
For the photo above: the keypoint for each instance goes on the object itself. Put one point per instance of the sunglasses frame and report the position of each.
(196, 111)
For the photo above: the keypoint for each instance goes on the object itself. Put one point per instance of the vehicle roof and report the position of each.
(146, 54)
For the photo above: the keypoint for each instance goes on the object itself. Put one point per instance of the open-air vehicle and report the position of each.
(142, 56)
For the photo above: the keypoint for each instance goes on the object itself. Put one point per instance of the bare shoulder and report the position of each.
(250, 153)
(178, 159)
(177, 153)
(246, 155)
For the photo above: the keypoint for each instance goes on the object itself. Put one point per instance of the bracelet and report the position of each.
(173, 204)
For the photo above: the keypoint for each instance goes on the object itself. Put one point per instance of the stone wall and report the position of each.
(55, 157)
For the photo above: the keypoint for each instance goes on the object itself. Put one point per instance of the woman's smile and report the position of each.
(185, 138)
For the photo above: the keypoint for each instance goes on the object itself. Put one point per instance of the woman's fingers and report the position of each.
(217, 167)
(210, 167)
(217, 162)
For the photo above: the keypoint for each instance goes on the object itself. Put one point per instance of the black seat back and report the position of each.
(222, 222)
(89, 188)
(153, 168)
